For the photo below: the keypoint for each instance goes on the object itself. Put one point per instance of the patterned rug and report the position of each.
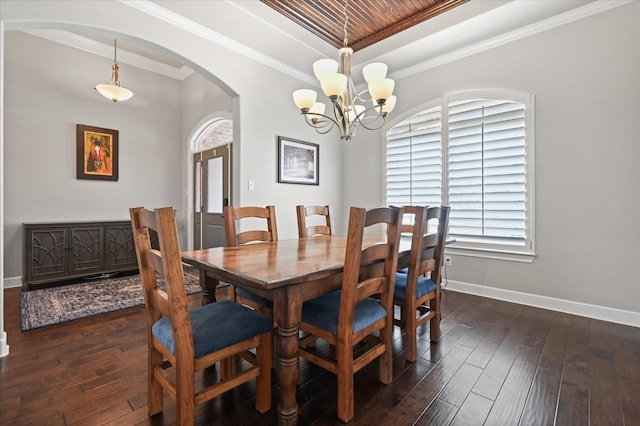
(54, 305)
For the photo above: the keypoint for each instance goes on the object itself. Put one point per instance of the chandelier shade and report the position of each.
(337, 84)
(113, 90)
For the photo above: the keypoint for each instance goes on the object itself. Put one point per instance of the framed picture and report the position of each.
(97, 153)
(298, 162)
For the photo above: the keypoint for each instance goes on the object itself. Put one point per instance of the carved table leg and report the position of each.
(287, 312)
(208, 285)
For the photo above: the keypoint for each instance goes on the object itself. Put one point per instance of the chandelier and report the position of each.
(112, 90)
(338, 86)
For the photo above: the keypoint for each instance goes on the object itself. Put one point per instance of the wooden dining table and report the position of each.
(287, 272)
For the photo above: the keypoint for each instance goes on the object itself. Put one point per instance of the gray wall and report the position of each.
(584, 76)
(586, 79)
(156, 123)
(48, 90)
(261, 112)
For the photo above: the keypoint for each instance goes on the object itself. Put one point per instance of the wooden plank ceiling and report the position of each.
(369, 21)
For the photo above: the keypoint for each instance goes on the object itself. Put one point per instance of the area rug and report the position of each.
(54, 305)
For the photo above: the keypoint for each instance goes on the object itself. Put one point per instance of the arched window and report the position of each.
(216, 133)
(473, 152)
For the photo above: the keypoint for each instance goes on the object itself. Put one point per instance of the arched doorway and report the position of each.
(211, 181)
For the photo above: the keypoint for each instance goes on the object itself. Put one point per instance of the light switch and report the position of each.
(251, 185)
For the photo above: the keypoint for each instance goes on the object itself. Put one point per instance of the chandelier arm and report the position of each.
(360, 118)
(324, 124)
(323, 132)
(375, 127)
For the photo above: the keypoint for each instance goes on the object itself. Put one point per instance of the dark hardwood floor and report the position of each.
(497, 363)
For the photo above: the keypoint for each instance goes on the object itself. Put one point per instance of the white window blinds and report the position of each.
(414, 160)
(487, 173)
(471, 154)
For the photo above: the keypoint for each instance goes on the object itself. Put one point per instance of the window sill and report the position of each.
(511, 256)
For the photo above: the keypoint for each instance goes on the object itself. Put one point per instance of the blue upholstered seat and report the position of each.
(425, 286)
(216, 326)
(323, 312)
(254, 297)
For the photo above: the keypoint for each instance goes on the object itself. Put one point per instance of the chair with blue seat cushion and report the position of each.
(417, 291)
(184, 341)
(319, 224)
(259, 226)
(353, 315)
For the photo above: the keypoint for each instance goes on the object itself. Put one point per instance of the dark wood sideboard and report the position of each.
(62, 251)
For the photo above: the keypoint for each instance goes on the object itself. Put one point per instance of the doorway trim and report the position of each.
(191, 145)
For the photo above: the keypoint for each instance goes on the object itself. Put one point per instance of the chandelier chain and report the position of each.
(346, 23)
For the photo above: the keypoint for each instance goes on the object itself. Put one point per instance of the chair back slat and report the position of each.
(156, 261)
(234, 214)
(308, 230)
(370, 287)
(376, 252)
(430, 240)
(253, 236)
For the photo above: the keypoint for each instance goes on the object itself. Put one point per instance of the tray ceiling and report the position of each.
(369, 21)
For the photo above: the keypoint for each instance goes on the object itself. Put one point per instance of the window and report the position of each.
(473, 152)
(216, 133)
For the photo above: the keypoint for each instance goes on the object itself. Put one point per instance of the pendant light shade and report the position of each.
(112, 90)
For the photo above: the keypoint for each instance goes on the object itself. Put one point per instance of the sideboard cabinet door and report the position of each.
(87, 250)
(46, 254)
(121, 251)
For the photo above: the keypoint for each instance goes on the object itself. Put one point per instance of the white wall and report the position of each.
(199, 99)
(585, 76)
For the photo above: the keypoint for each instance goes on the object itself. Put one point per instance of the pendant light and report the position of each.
(112, 90)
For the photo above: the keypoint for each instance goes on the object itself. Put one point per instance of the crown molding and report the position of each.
(573, 15)
(188, 25)
(106, 51)
(207, 33)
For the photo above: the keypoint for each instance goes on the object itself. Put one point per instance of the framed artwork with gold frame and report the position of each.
(97, 153)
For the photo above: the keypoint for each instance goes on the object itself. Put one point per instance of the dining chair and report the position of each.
(417, 291)
(262, 221)
(319, 213)
(351, 316)
(184, 341)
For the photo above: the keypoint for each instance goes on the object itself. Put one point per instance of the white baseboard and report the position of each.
(603, 313)
(4, 348)
(13, 282)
